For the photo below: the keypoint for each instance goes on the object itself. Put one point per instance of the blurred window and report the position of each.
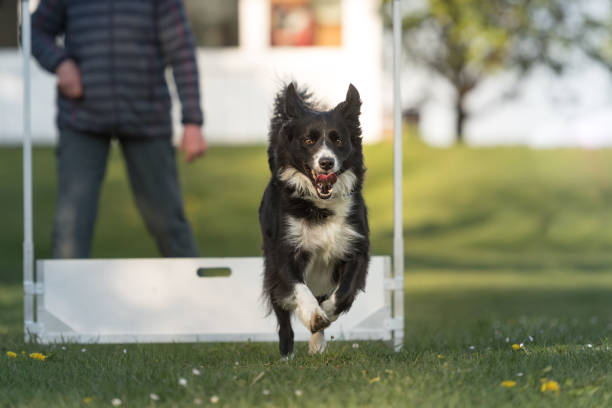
(214, 22)
(8, 23)
(306, 23)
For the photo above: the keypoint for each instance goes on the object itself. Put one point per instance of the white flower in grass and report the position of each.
(298, 393)
(116, 402)
(236, 363)
(154, 396)
(589, 345)
(519, 374)
(124, 351)
(355, 345)
(83, 350)
(472, 348)
(182, 382)
(63, 347)
(195, 371)
(265, 392)
(214, 399)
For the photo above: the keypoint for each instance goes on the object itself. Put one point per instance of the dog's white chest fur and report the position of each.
(327, 242)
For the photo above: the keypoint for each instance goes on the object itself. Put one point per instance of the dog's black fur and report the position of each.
(307, 224)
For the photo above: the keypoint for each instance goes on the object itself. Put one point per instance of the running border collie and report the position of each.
(312, 215)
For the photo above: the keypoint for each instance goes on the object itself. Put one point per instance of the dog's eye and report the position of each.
(312, 137)
(335, 137)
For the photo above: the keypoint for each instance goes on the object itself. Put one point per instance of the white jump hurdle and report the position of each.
(189, 299)
(183, 300)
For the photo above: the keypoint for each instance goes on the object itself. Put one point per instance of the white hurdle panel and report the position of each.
(184, 300)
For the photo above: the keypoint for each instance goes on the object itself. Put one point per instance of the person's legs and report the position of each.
(153, 176)
(81, 164)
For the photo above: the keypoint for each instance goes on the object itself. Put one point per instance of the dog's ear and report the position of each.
(351, 108)
(294, 106)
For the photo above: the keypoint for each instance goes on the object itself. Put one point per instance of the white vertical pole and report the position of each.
(398, 239)
(28, 242)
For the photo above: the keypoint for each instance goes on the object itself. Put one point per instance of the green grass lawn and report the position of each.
(502, 245)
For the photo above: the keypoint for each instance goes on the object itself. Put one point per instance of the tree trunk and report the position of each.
(460, 118)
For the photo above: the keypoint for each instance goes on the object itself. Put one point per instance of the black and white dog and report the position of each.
(312, 216)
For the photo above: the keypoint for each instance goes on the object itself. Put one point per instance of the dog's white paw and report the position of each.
(317, 343)
(318, 321)
(308, 309)
(285, 359)
(329, 307)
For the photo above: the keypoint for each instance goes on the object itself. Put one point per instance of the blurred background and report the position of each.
(504, 72)
(507, 168)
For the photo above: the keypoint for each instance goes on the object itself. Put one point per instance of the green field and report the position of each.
(502, 246)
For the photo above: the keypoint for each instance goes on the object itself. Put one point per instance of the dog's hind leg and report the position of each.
(317, 343)
(285, 332)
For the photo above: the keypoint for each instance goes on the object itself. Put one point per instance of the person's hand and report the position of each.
(69, 79)
(193, 143)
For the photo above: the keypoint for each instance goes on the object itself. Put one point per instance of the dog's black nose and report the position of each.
(326, 163)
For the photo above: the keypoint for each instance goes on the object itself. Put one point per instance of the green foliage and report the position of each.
(596, 36)
(466, 41)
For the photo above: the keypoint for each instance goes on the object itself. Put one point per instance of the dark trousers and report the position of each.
(151, 165)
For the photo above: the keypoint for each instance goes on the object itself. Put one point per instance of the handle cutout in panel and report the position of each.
(221, 272)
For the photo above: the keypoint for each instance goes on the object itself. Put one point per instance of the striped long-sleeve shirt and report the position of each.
(122, 48)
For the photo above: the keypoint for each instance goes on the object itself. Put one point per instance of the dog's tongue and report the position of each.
(325, 182)
(329, 179)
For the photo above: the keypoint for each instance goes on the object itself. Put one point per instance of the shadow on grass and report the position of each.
(457, 316)
(443, 319)
(461, 263)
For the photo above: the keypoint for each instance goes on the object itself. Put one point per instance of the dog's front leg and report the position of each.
(301, 300)
(308, 309)
(352, 280)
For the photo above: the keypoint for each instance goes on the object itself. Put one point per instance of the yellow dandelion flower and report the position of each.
(516, 347)
(87, 400)
(550, 386)
(38, 356)
(11, 354)
(508, 383)
(440, 356)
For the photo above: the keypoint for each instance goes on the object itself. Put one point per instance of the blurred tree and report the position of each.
(596, 34)
(466, 41)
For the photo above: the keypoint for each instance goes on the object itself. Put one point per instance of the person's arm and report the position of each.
(48, 22)
(178, 47)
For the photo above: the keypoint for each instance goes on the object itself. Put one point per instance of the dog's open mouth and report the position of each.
(324, 183)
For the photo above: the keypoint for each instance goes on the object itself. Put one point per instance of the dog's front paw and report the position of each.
(317, 343)
(319, 321)
(329, 307)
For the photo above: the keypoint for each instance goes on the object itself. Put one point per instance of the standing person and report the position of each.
(111, 84)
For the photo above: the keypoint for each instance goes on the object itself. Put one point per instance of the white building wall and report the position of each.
(238, 84)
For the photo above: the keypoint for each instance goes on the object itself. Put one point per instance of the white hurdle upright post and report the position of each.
(398, 239)
(177, 300)
(28, 241)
